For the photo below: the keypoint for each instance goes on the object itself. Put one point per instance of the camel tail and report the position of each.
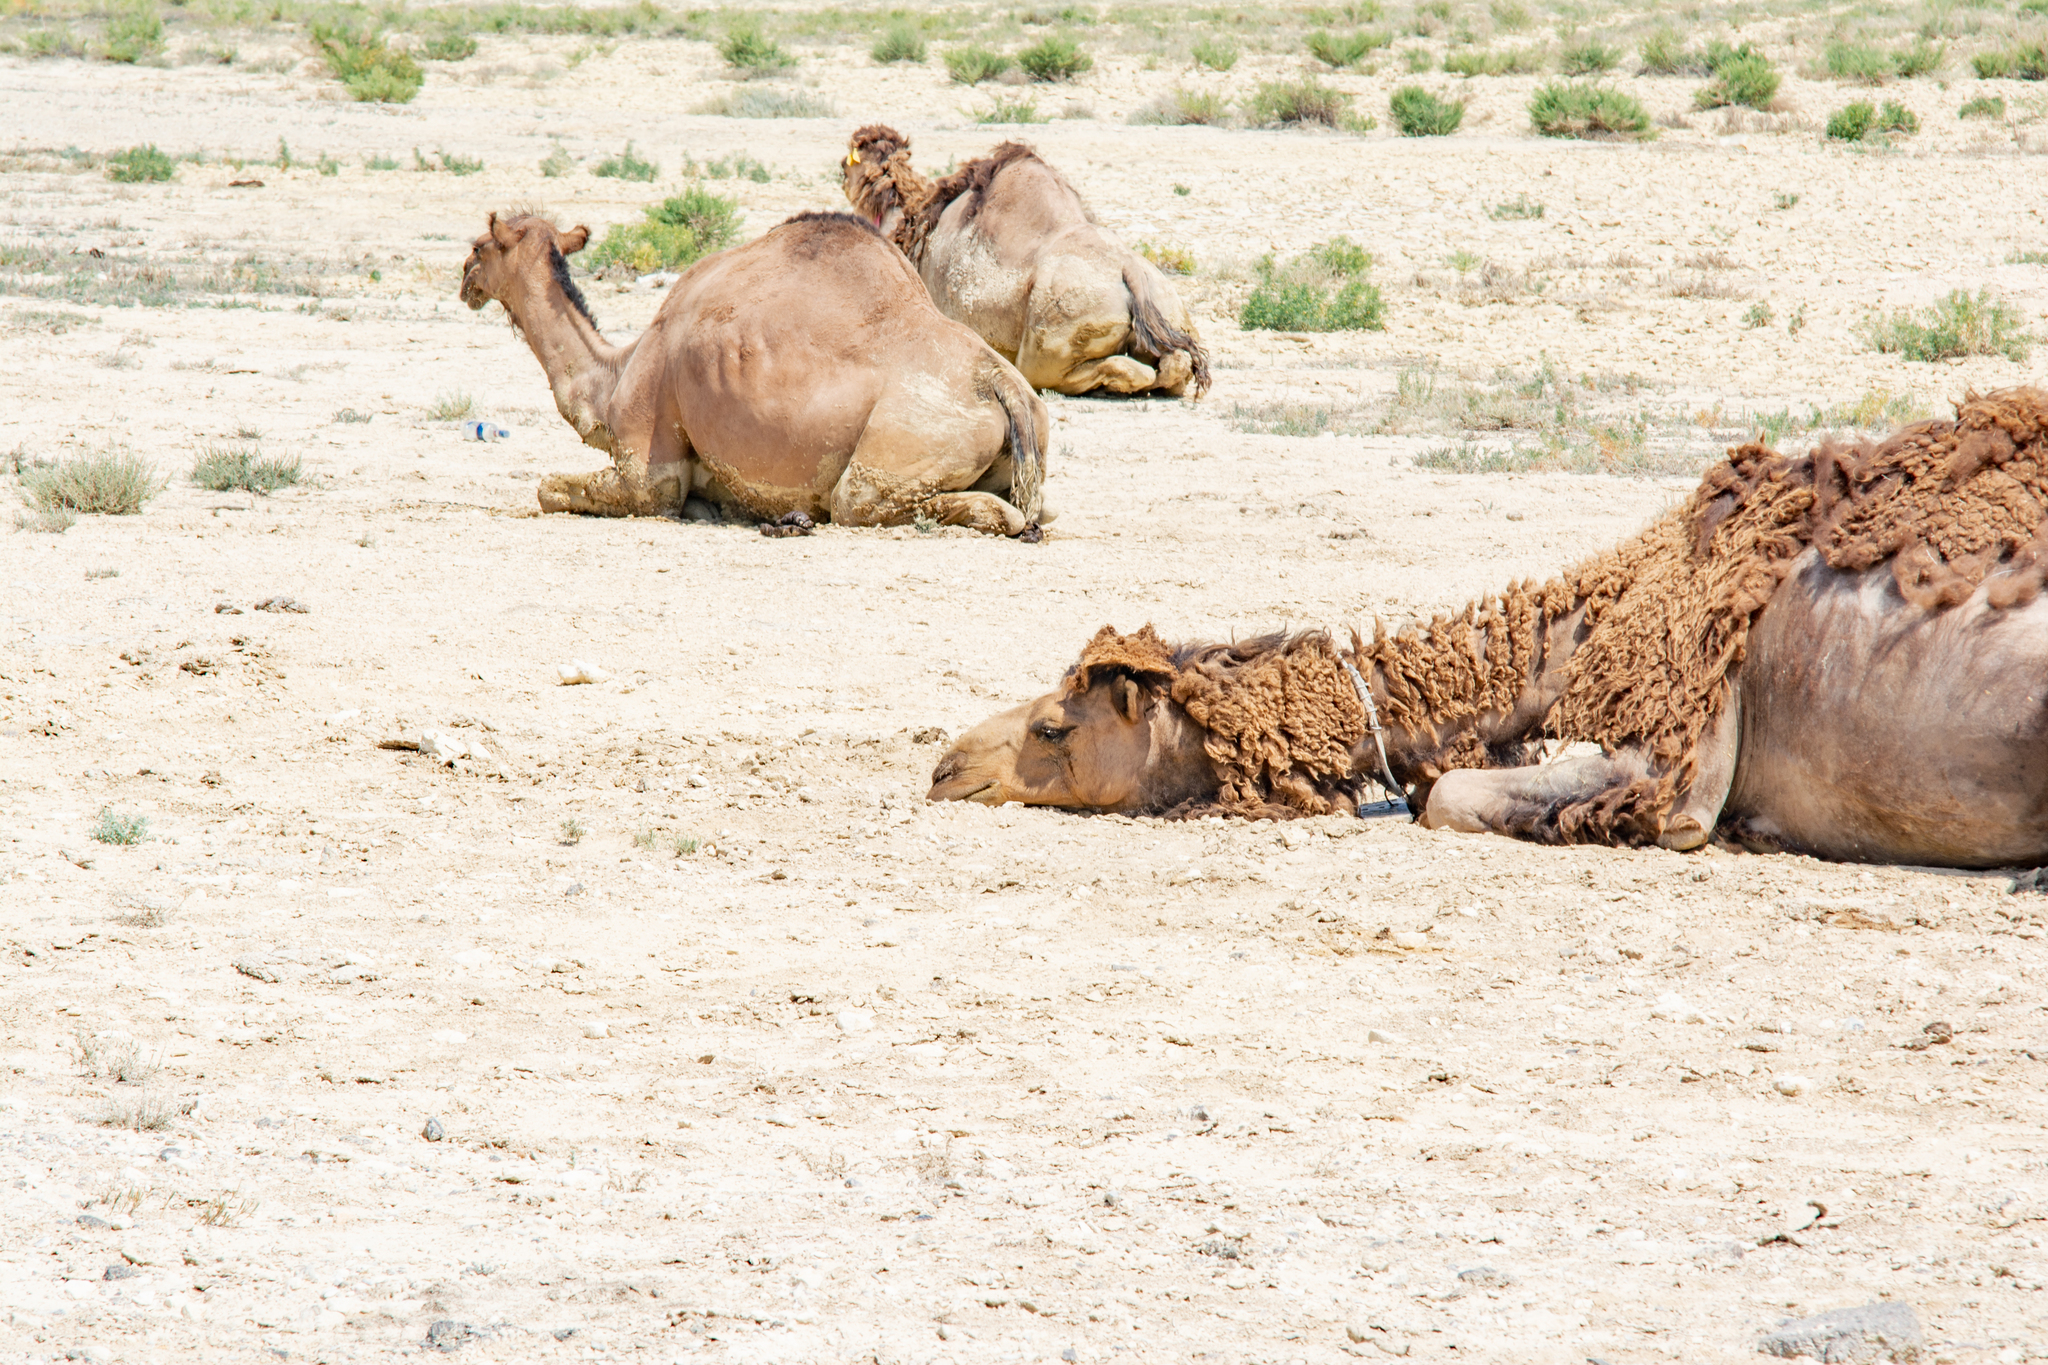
(1027, 455)
(1154, 334)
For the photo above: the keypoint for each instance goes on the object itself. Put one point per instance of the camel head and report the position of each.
(516, 256)
(1088, 745)
(876, 170)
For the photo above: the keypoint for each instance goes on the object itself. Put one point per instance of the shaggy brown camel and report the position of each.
(806, 371)
(1840, 655)
(1006, 246)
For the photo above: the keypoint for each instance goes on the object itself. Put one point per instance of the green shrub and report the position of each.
(1217, 54)
(454, 163)
(1510, 16)
(115, 828)
(140, 164)
(1958, 325)
(366, 68)
(1417, 113)
(110, 482)
(1292, 103)
(1894, 117)
(1745, 78)
(754, 102)
(225, 468)
(557, 163)
(751, 52)
(671, 234)
(1861, 62)
(1513, 61)
(1054, 57)
(1984, 106)
(135, 33)
(1663, 53)
(452, 46)
(1171, 260)
(51, 42)
(1334, 51)
(900, 42)
(1581, 109)
(625, 166)
(1180, 107)
(2026, 63)
(1589, 58)
(1011, 109)
(973, 64)
(1919, 59)
(1322, 290)
(450, 407)
(1852, 122)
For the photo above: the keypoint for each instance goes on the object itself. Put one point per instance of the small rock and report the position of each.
(449, 1335)
(1792, 1086)
(1410, 938)
(86, 1220)
(1379, 1035)
(290, 604)
(578, 671)
(854, 1021)
(596, 1028)
(442, 747)
(1485, 1277)
(1185, 877)
(255, 969)
(1354, 1331)
(120, 1272)
(433, 1131)
(1884, 1330)
(1674, 1006)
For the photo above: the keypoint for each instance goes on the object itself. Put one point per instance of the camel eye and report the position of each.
(1051, 733)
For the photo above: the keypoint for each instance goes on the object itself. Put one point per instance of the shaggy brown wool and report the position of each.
(971, 181)
(885, 179)
(1278, 714)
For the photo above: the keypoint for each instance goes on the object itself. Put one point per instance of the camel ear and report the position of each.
(501, 234)
(1130, 702)
(574, 240)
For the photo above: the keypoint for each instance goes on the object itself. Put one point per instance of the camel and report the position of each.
(1006, 246)
(805, 372)
(1840, 655)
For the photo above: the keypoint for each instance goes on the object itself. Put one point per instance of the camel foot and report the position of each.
(602, 493)
(1175, 370)
(2037, 880)
(983, 512)
(700, 510)
(1683, 834)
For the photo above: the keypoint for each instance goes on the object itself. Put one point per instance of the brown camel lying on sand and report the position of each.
(1842, 655)
(806, 371)
(1007, 247)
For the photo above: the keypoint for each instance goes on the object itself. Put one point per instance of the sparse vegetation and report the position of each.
(140, 164)
(751, 52)
(676, 843)
(369, 70)
(1341, 52)
(223, 468)
(754, 102)
(1959, 325)
(117, 827)
(1742, 76)
(1860, 62)
(557, 163)
(1511, 61)
(738, 166)
(1759, 315)
(135, 32)
(120, 1060)
(1181, 107)
(1861, 120)
(1292, 103)
(450, 407)
(899, 42)
(573, 831)
(1919, 59)
(1510, 16)
(1324, 289)
(146, 1113)
(625, 166)
(1054, 57)
(1011, 109)
(1217, 54)
(452, 162)
(452, 46)
(2025, 62)
(1518, 208)
(1784, 199)
(1417, 113)
(1590, 57)
(1983, 106)
(108, 482)
(973, 64)
(671, 234)
(1663, 53)
(1173, 260)
(49, 520)
(1583, 109)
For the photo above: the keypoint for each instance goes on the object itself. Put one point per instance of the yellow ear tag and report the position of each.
(853, 158)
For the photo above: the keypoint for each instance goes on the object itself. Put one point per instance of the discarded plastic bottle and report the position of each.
(484, 431)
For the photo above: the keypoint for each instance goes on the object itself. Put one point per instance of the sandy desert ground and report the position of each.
(859, 1078)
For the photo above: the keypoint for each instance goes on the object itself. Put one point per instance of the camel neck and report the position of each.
(582, 367)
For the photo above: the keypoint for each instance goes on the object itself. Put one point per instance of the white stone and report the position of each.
(472, 957)
(579, 671)
(1185, 877)
(1792, 1086)
(596, 1028)
(1674, 1006)
(443, 747)
(1410, 938)
(1379, 1035)
(854, 1021)
(449, 1035)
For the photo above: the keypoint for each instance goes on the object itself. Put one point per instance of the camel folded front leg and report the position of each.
(606, 493)
(1117, 373)
(1597, 798)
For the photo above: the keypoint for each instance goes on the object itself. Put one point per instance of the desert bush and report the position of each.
(1984, 106)
(2026, 62)
(1958, 325)
(135, 33)
(1217, 54)
(451, 406)
(1322, 290)
(1180, 107)
(1741, 77)
(1663, 53)
(51, 42)
(754, 102)
(454, 163)
(452, 46)
(1855, 122)
(1172, 260)
(1582, 109)
(973, 64)
(1054, 57)
(1918, 59)
(111, 482)
(115, 827)
(899, 42)
(751, 52)
(1510, 16)
(1297, 102)
(1512, 61)
(371, 72)
(1011, 109)
(557, 163)
(245, 467)
(625, 166)
(671, 234)
(1519, 207)
(1349, 50)
(139, 164)
(1589, 58)
(1417, 113)
(1847, 61)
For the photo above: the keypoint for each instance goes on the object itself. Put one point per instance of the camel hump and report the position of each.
(814, 232)
(1156, 337)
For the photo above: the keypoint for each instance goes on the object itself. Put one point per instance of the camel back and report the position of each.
(971, 180)
(1946, 502)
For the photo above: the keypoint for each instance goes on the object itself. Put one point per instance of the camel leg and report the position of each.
(1502, 800)
(917, 458)
(1699, 810)
(608, 493)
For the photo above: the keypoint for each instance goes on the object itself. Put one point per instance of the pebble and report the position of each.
(854, 1021)
(1792, 1086)
(449, 1035)
(433, 1131)
(1379, 1035)
(1886, 1330)
(596, 1028)
(1410, 938)
(442, 747)
(472, 957)
(578, 671)
(120, 1272)
(1671, 1005)
(1187, 876)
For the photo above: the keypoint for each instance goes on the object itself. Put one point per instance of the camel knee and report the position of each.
(1465, 800)
(984, 512)
(1175, 370)
(602, 493)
